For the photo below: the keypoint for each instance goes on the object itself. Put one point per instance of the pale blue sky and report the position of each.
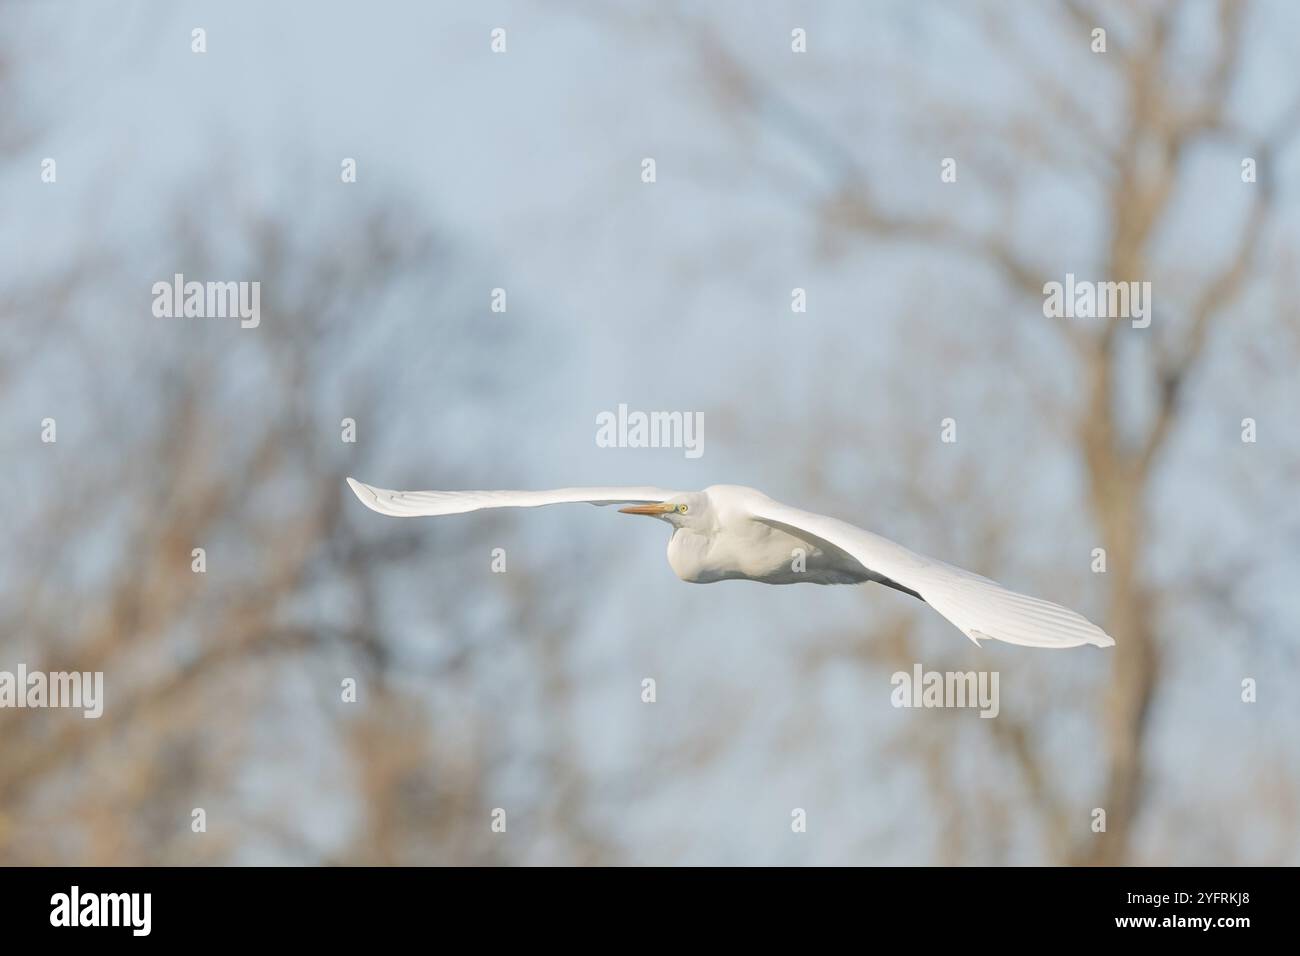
(676, 296)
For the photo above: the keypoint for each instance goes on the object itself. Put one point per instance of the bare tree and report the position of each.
(1126, 126)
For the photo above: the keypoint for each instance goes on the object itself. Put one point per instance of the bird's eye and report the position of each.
(682, 509)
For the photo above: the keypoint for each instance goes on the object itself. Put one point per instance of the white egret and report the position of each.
(729, 532)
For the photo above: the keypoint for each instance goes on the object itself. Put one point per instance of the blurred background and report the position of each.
(521, 170)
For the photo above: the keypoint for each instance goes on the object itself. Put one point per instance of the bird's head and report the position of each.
(690, 510)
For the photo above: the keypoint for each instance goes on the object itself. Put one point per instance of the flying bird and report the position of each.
(730, 532)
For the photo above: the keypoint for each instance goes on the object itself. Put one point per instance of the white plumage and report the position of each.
(729, 532)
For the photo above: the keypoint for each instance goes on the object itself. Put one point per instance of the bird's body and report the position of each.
(730, 532)
(736, 547)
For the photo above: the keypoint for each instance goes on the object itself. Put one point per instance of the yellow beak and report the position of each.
(662, 508)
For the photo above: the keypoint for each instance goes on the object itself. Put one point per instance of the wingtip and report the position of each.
(365, 494)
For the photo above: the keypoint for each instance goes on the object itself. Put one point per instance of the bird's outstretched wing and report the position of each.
(411, 504)
(981, 609)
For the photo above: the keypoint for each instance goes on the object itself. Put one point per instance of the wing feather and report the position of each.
(411, 504)
(981, 609)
